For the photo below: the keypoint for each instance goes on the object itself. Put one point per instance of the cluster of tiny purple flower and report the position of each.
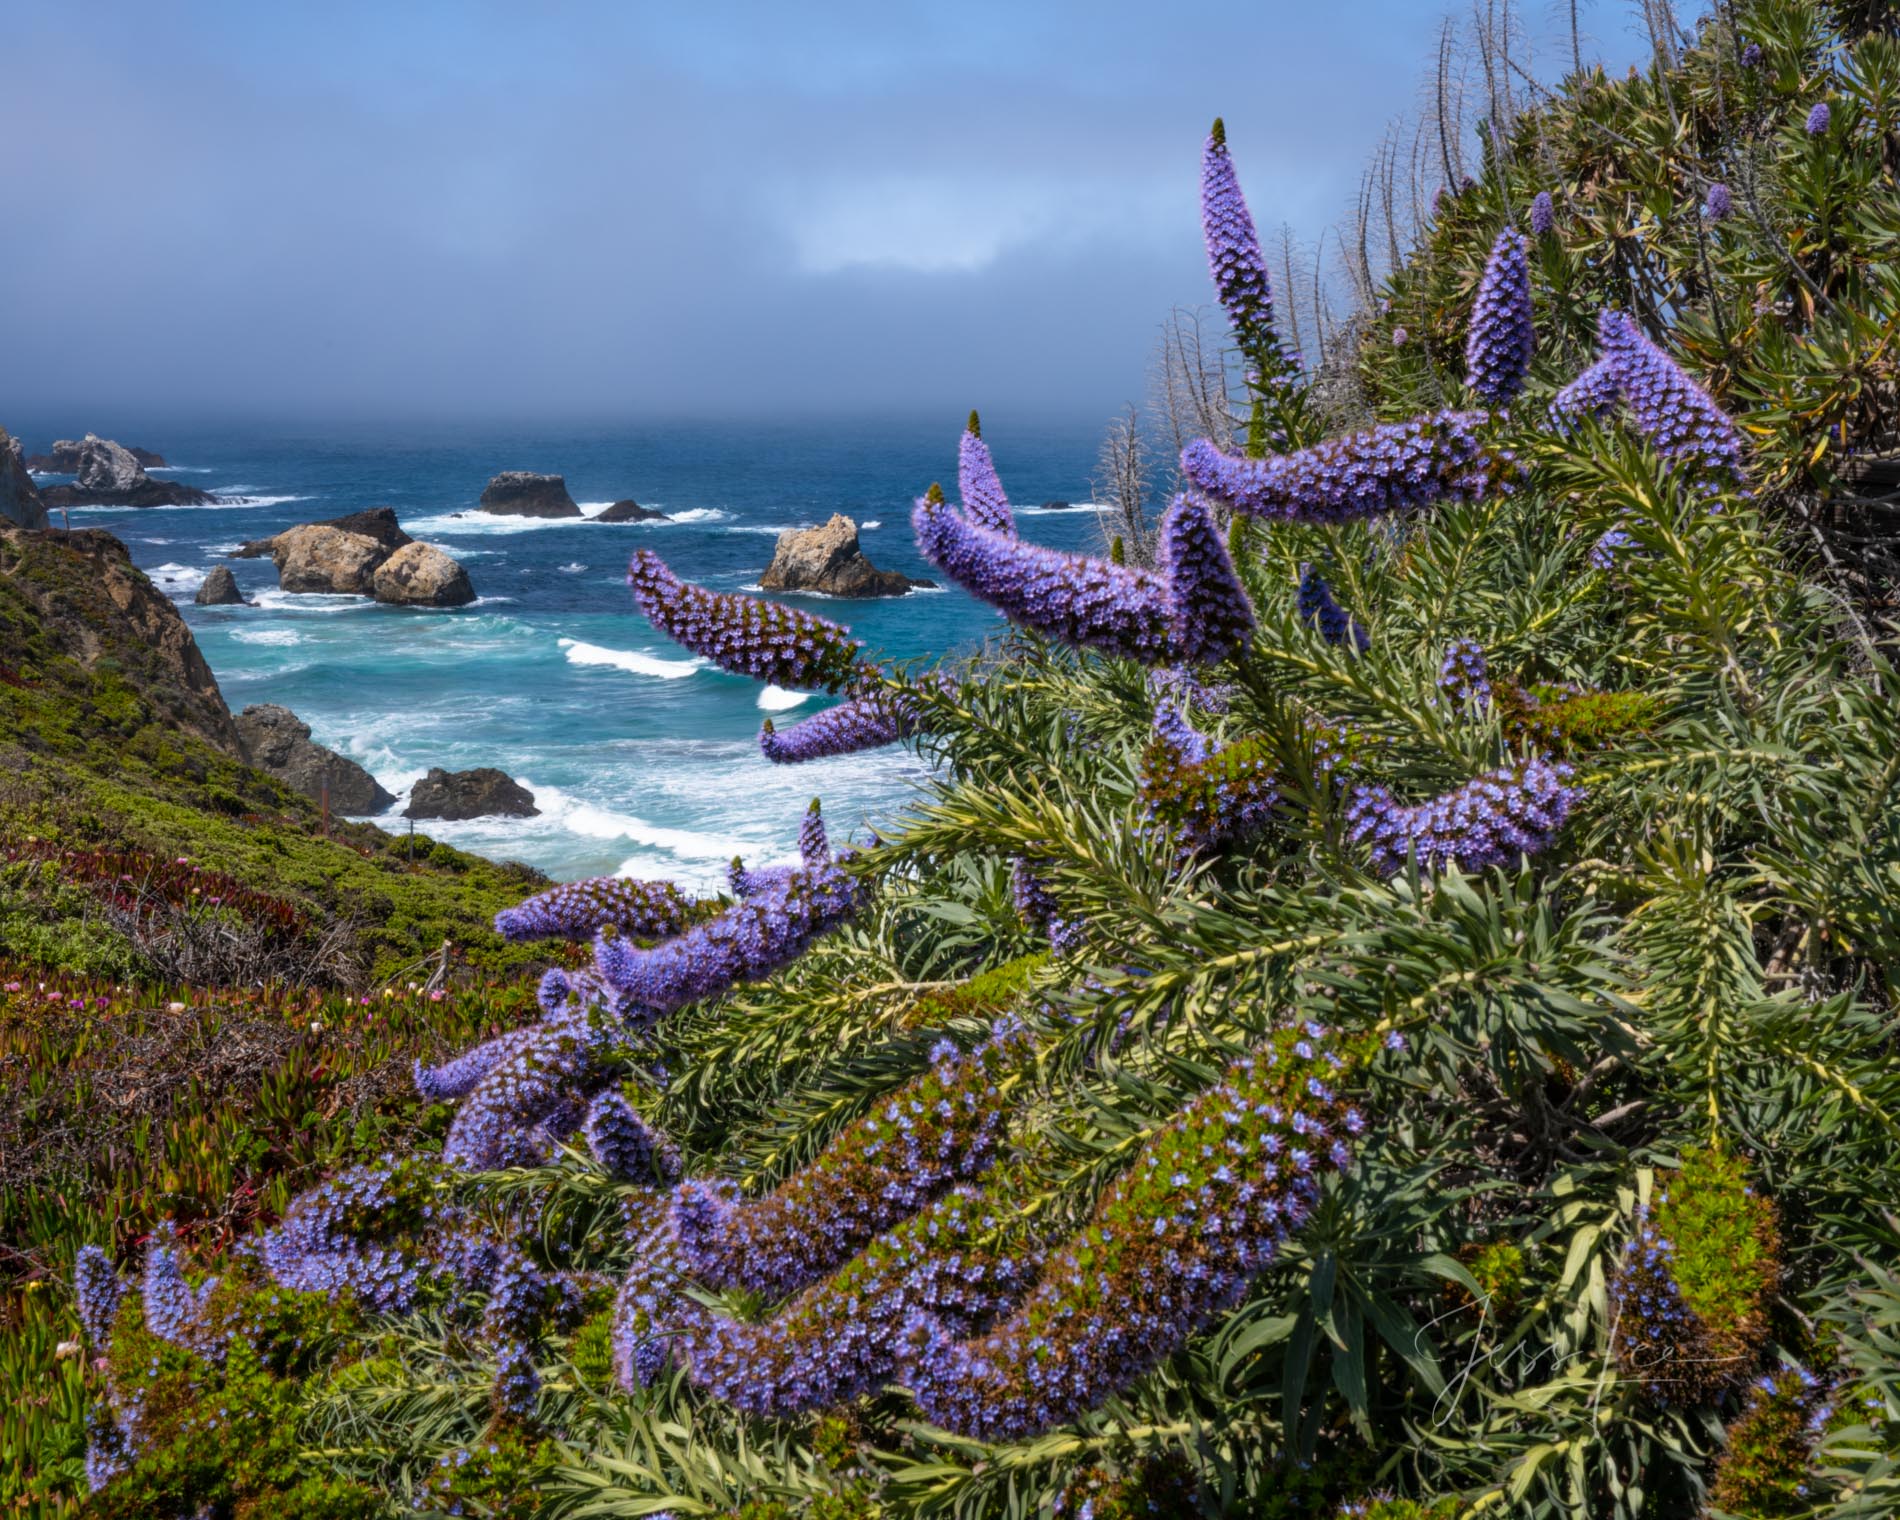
(1204, 796)
(1464, 676)
(1494, 820)
(1233, 246)
(1499, 345)
(174, 1310)
(1038, 908)
(1181, 1236)
(978, 484)
(866, 722)
(1668, 408)
(530, 1096)
(624, 1145)
(1719, 203)
(1395, 467)
(99, 1290)
(743, 635)
(359, 1232)
(1543, 214)
(1819, 119)
(576, 909)
(1318, 609)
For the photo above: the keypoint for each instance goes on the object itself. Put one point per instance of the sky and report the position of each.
(642, 208)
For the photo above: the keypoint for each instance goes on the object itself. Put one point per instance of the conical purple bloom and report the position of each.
(576, 909)
(871, 721)
(1209, 615)
(1720, 203)
(625, 1145)
(1233, 246)
(174, 1310)
(1819, 118)
(738, 633)
(764, 881)
(98, 1289)
(1037, 905)
(814, 848)
(1318, 609)
(1593, 393)
(108, 1451)
(528, 1100)
(1543, 214)
(1498, 348)
(1090, 603)
(1395, 467)
(978, 483)
(1511, 812)
(1464, 676)
(457, 1077)
(1677, 416)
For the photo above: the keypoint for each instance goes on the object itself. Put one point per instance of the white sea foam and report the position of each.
(279, 600)
(778, 699)
(277, 637)
(178, 469)
(231, 497)
(474, 522)
(178, 580)
(573, 568)
(631, 661)
(698, 514)
(865, 527)
(1070, 510)
(770, 530)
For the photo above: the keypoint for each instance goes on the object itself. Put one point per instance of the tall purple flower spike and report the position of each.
(326, 1242)
(978, 483)
(1038, 908)
(1498, 348)
(625, 1145)
(98, 1289)
(1594, 393)
(529, 1098)
(1543, 214)
(1719, 204)
(1395, 467)
(576, 909)
(1819, 118)
(1674, 413)
(174, 1310)
(1318, 609)
(814, 847)
(871, 721)
(1233, 246)
(738, 633)
(1510, 812)
(1209, 614)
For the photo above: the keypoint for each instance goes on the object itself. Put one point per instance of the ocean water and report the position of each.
(643, 760)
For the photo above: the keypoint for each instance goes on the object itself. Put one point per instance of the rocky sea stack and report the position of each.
(220, 589)
(828, 560)
(480, 793)
(278, 742)
(628, 511)
(20, 502)
(110, 475)
(521, 493)
(364, 554)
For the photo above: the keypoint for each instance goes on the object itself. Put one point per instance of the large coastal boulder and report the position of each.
(827, 559)
(220, 589)
(629, 511)
(315, 557)
(64, 460)
(519, 493)
(277, 741)
(421, 575)
(378, 523)
(110, 476)
(481, 793)
(20, 502)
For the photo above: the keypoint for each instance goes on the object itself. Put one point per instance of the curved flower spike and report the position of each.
(528, 1099)
(1396, 467)
(576, 909)
(174, 1310)
(747, 637)
(625, 1145)
(762, 882)
(1498, 348)
(867, 722)
(1594, 393)
(345, 1234)
(1494, 820)
(1668, 408)
(1233, 246)
(978, 484)
(98, 1289)
(1209, 615)
(457, 1077)
(1086, 602)
(1543, 214)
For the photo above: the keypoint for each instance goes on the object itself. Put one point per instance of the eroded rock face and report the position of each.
(827, 559)
(64, 460)
(420, 575)
(378, 523)
(481, 793)
(111, 476)
(314, 557)
(220, 589)
(277, 741)
(629, 511)
(20, 502)
(520, 493)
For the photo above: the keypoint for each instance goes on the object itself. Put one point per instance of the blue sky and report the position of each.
(595, 210)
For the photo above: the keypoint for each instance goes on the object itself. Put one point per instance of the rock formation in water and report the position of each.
(421, 575)
(827, 559)
(520, 493)
(363, 554)
(629, 511)
(20, 502)
(220, 589)
(111, 476)
(278, 742)
(480, 793)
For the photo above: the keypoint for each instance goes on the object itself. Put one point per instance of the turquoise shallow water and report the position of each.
(643, 760)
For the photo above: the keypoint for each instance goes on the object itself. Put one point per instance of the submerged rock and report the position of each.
(827, 559)
(421, 575)
(521, 493)
(20, 502)
(629, 511)
(220, 589)
(481, 793)
(1057, 506)
(278, 742)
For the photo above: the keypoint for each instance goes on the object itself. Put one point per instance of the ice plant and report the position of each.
(576, 909)
(1677, 416)
(938, 1130)
(978, 483)
(1395, 467)
(1498, 348)
(1233, 247)
(1318, 609)
(1719, 203)
(1513, 811)
(1464, 675)
(98, 1289)
(743, 635)
(1543, 214)
(1176, 1239)
(1819, 118)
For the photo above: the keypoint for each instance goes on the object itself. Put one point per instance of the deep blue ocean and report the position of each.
(643, 760)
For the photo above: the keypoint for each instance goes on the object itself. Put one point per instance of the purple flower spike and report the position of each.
(98, 1289)
(1464, 676)
(576, 909)
(1204, 795)
(1511, 812)
(867, 722)
(1498, 349)
(108, 1450)
(1604, 551)
(1090, 603)
(1751, 56)
(1395, 467)
(1037, 905)
(1209, 615)
(764, 882)
(346, 1234)
(1819, 118)
(625, 1145)
(1543, 214)
(748, 637)
(528, 1100)
(1675, 414)
(1233, 247)
(979, 485)
(1318, 609)
(174, 1310)
(456, 1078)
(813, 847)
(1594, 393)
(1720, 203)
